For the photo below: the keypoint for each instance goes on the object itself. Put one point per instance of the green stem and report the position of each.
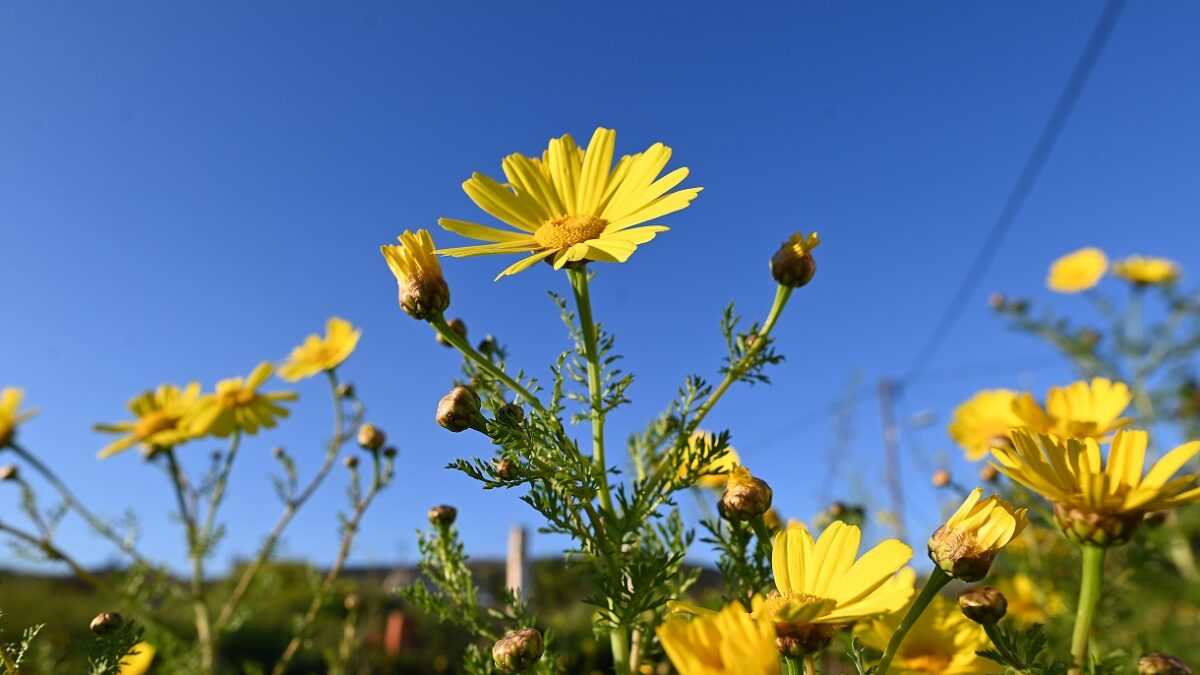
(793, 665)
(460, 343)
(619, 640)
(1089, 597)
(587, 327)
(196, 554)
(937, 580)
(782, 293)
(218, 493)
(1001, 645)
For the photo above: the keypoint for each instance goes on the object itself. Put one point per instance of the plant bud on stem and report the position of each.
(371, 437)
(443, 515)
(106, 622)
(458, 326)
(518, 650)
(459, 410)
(983, 605)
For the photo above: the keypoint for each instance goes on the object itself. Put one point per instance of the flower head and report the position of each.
(1080, 410)
(160, 420)
(820, 582)
(572, 204)
(10, 416)
(1144, 271)
(519, 650)
(793, 265)
(746, 497)
(319, 354)
(238, 405)
(984, 421)
(1094, 502)
(965, 546)
(423, 290)
(1078, 271)
(717, 471)
(729, 642)
(941, 642)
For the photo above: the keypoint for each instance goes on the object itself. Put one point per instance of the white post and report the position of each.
(517, 570)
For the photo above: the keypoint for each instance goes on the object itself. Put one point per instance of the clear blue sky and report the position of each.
(189, 188)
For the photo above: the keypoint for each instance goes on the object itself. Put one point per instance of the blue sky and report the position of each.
(187, 189)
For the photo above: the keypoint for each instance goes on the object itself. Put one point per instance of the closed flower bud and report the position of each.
(424, 298)
(988, 473)
(390, 452)
(350, 462)
(443, 515)
(488, 345)
(746, 497)
(940, 478)
(793, 265)
(458, 326)
(966, 545)
(983, 605)
(1162, 664)
(518, 650)
(345, 390)
(997, 301)
(510, 414)
(278, 452)
(506, 469)
(1093, 527)
(106, 622)
(798, 640)
(459, 410)
(371, 437)
(8, 472)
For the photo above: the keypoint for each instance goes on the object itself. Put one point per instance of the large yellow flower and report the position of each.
(942, 642)
(1080, 410)
(984, 421)
(10, 416)
(821, 582)
(1095, 503)
(573, 204)
(161, 420)
(319, 354)
(423, 290)
(1077, 271)
(729, 642)
(719, 468)
(1143, 271)
(237, 405)
(966, 544)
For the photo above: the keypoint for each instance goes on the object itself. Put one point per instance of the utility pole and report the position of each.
(891, 452)
(516, 572)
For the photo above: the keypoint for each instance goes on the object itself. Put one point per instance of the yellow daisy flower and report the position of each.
(1095, 503)
(984, 421)
(1078, 271)
(942, 642)
(1028, 603)
(139, 659)
(161, 420)
(965, 546)
(423, 290)
(319, 354)
(820, 582)
(572, 204)
(10, 416)
(1080, 410)
(720, 467)
(237, 405)
(1144, 271)
(729, 642)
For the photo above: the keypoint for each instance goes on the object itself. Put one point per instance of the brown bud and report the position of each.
(506, 469)
(745, 497)
(1101, 529)
(997, 301)
(488, 345)
(371, 437)
(518, 650)
(9, 472)
(510, 414)
(106, 622)
(958, 556)
(836, 510)
(443, 515)
(797, 640)
(988, 473)
(983, 604)
(793, 265)
(390, 452)
(345, 390)
(459, 410)
(424, 297)
(940, 478)
(350, 462)
(1157, 663)
(458, 326)
(278, 452)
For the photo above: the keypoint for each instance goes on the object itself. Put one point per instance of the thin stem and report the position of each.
(74, 504)
(340, 434)
(218, 493)
(587, 327)
(1089, 597)
(460, 343)
(55, 553)
(792, 665)
(737, 370)
(937, 580)
(196, 554)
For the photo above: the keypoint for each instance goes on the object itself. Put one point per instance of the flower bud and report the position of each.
(424, 298)
(390, 452)
(510, 414)
(793, 265)
(350, 602)
(518, 650)
(488, 345)
(988, 473)
(106, 622)
(1157, 663)
(350, 462)
(940, 478)
(371, 437)
(345, 390)
(278, 452)
(8, 472)
(458, 326)
(423, 292)
(1091, 527)
(801, 639)
(997, 301)
(983, 605)
(965, 546)
(459, 410)
(443, 515)
(746, 497)
(506, 469)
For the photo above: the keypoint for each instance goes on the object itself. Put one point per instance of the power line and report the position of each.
(1021, 189)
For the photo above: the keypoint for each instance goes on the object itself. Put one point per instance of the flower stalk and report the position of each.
(459, 342)
(1089, 598)
(937, 581)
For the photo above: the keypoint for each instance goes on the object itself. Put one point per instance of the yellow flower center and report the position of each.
(796, 608)
(235, 397)
(567, 231)
(153, 423)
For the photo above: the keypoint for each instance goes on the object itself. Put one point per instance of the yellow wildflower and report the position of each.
(138, 660)
(424, 293)
(10, 416)
(1094, 503)
(161, 420)
(1077, 271)
(942, 642)
(1080, 410)
(965, 546)
(1144, 271)
(319, 354)
(237, 405)
(729, 642)
(984, 421)
(573, 205)
(719, 468)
